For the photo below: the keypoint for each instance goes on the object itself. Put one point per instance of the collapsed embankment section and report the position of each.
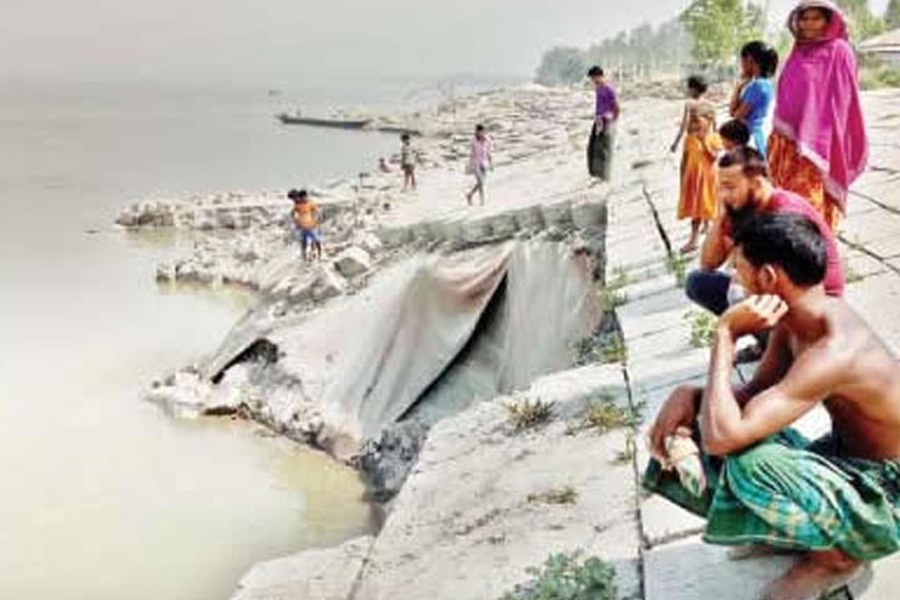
(462, 328)
(429, 337)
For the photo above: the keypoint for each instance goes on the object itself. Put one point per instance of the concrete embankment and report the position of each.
(422, 308)
(500, 515)
(485, 499)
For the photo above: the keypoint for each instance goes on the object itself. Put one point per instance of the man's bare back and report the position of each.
(864, 403)
(780, 488)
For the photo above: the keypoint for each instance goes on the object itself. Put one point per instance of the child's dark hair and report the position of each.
(697, 83)
(751, 161)
(763, 55)
(736, 132)
(595, 71)
(296, 194)
(788, 240)
(479, 128)
(404, 137)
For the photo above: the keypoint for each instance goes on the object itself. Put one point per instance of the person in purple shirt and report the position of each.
(606, 113)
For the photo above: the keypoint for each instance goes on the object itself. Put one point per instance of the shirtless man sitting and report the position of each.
(837, 499)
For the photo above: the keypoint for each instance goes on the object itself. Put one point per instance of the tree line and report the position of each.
(707, 35)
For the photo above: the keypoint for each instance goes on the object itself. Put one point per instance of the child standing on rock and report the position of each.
(480, 160)
(305, 219)
(698, 170)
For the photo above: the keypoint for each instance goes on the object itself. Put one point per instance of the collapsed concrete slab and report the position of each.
(328, 574)
(440, 542)
(505, 510)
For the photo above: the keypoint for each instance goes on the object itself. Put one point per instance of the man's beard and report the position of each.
(740, 216)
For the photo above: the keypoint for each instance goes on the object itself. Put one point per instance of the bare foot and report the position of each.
(688, 248)
(816, 574)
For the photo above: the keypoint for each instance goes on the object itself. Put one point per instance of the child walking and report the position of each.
(305, 219)
(480, 160)
(698, 171)
(408, 160)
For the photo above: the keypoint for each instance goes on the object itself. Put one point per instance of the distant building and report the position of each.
(884, 47)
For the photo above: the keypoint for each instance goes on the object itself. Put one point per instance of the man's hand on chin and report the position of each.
(754, 314)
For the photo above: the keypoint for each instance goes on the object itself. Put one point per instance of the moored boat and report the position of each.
(288, 119)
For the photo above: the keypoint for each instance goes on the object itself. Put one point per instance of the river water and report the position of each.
(103, 496)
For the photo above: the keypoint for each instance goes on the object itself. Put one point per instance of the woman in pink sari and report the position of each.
(818, 146)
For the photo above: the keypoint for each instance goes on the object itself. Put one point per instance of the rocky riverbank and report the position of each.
(422, 307)
(415, 347)
(567, 485)
(377, 237)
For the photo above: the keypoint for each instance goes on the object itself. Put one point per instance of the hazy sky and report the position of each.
(277, 41)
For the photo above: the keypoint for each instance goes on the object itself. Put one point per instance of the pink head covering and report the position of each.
(818, 102)
(837, 27)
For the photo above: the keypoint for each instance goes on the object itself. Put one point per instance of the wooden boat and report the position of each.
(320, 122)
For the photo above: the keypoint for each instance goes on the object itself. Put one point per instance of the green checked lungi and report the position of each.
(790, 493)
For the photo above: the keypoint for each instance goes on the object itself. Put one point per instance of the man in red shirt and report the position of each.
(744, 190)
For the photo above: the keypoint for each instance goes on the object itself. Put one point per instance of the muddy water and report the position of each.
(102, 496)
